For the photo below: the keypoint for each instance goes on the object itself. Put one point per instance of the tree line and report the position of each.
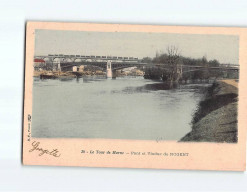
(175, 71)
(164, 59)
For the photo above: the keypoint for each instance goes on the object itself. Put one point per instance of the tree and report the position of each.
(205, 72)
(173, 56)
(172, 61)
(146, 60)
(214, 63)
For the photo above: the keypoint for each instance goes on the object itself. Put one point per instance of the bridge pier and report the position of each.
(59, 66)
(109, 72)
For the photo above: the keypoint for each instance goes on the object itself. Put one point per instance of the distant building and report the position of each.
(39, 64)
(78, 68)
(38, 61)
(81, 68)
(75, 68)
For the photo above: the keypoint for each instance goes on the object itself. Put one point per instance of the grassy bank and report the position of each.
(215, 119)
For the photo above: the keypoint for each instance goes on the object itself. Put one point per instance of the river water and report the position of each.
(124, 108)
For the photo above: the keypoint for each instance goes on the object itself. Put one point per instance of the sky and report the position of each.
(224, 48)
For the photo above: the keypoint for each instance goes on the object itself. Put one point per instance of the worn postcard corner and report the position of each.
(135, 96)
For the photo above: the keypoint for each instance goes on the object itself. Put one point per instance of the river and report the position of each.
(124, 108)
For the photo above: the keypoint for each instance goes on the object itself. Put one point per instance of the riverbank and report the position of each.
(71, 74)
(67, 74)
(216, 117)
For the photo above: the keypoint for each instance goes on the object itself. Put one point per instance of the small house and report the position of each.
(81, 68)
(39, 64)
(74, 69)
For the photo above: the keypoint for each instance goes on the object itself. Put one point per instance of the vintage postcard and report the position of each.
(135, 96)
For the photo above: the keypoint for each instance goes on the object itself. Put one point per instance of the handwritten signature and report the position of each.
(42, 151)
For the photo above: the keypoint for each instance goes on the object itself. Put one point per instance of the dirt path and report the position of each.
(231, 82)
